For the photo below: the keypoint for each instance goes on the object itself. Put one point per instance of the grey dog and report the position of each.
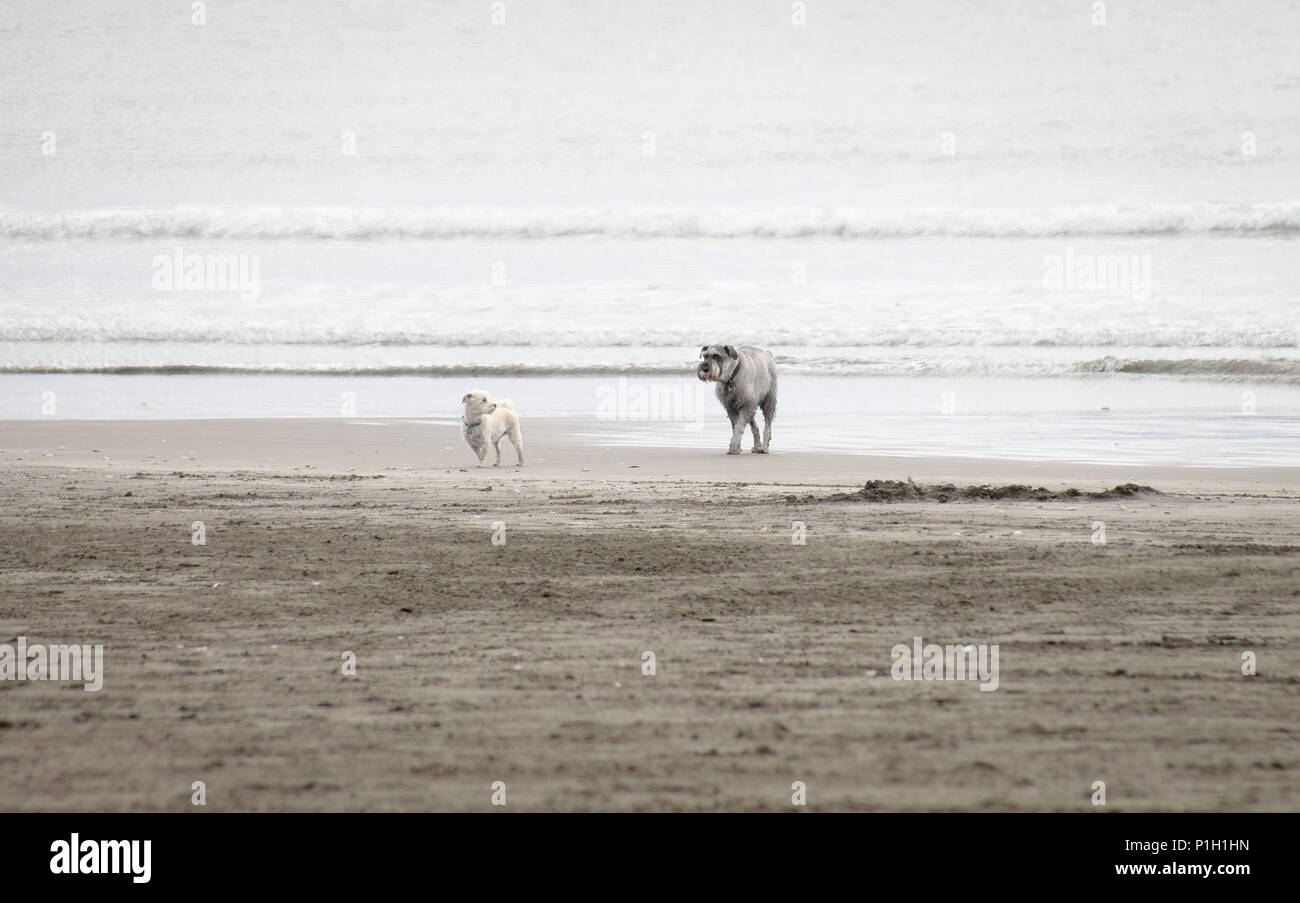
(746, 379)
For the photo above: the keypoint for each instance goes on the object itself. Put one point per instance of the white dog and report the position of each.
(487, 422)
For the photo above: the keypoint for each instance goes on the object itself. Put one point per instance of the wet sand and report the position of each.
(522, 662)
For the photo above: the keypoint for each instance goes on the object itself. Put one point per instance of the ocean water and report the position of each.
(927, 191)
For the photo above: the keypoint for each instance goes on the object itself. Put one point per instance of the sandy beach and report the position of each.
(522, 661)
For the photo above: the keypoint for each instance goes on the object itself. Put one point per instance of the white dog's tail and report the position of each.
(506, 403)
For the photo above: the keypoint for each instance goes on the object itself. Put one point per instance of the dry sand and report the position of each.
(522, 662)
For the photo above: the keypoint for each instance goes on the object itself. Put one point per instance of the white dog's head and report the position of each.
(477, 403)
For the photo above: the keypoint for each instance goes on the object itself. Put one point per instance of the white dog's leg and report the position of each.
(496, 444)
(517, 439)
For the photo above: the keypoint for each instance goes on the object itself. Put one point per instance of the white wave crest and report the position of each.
(358, 224)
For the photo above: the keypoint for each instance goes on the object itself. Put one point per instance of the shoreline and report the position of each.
(1118, 423)
(555, 448)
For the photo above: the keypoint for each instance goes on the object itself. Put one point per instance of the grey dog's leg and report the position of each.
(738, 421)
(753, 426)
(769, 412)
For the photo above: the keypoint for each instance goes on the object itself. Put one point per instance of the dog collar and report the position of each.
(730, 384)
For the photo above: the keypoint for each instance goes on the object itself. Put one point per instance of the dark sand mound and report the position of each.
(898, 491)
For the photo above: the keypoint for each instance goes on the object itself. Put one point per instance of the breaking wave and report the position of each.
(1208, 370)
(354, 224)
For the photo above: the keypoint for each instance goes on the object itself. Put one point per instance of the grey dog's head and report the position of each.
(716, 362)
